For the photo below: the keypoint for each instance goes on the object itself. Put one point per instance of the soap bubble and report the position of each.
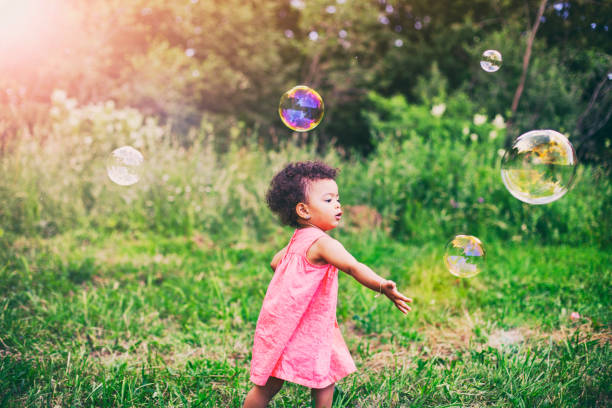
(491, 60)
(464, 256)
(124, 166)
(301, 108)
(540, 167)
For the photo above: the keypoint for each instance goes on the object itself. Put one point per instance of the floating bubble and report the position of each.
(491, 60)
(301, 108)
(540, 167)
(124, 166)
(464, 256)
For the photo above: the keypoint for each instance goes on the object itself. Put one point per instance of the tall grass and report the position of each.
(430, 176)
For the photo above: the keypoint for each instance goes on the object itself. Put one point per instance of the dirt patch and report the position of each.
(468, 331)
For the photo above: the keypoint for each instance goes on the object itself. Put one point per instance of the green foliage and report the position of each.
(434, 175)
(230, 61)
(131, 319)
(56, 179)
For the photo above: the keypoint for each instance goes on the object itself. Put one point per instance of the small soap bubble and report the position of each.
(342, 33)
(313, 35)
(383, 20)
(301, 108)
(464, 256)
(330, 9)
(491, 60)
(124, 166)
(190, 52)
(399, 42)
(540, 167)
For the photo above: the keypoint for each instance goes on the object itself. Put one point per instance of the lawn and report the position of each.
(89, 319)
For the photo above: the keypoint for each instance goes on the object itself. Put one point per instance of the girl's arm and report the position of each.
(331, 251)
(277, 258)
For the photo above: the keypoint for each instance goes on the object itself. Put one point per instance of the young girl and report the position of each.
(297, 337)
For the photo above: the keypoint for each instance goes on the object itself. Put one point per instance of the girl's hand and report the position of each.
(389, 288)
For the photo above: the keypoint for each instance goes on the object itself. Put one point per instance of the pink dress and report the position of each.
(297, 337)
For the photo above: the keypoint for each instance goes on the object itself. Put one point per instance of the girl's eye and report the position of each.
(328, 200)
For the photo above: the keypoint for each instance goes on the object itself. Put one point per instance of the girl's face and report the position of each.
(322, 204)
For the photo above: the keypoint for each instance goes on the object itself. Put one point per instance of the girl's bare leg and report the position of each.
(323, 397)
(259, 396)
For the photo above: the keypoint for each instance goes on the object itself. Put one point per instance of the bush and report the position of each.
(433, 175)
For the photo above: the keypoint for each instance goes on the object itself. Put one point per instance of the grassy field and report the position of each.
(90, 319)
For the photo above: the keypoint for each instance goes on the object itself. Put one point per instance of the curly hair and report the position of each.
(288, 187)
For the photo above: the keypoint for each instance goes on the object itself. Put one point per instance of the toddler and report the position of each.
(297, 337)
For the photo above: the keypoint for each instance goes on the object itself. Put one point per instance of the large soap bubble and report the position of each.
(491, 60)
(464, 256)
(540, 167)
(301, 108)
(124, 166)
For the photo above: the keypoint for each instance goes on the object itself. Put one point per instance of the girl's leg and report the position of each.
(259, 396)
(323, 397)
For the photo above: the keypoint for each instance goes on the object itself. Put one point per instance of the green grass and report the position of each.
(145, 320)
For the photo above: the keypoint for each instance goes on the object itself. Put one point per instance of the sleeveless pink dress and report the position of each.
(297, 338)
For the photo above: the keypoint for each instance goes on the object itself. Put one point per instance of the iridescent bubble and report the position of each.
(540, 167)
(124, 166)
(464, 256)
(301, 108)
(491, 60)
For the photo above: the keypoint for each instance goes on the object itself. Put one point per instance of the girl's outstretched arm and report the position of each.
(329, 250)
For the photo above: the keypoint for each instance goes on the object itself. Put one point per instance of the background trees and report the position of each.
(230, 61)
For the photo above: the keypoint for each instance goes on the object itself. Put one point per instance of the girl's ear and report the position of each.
(302, 211)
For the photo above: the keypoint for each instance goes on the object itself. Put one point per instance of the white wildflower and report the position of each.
(492, 134)
(474, 137)
(58, 95)
(479, 119)
(438, 109)
(466, 130)
(498, 122)
(71, 103)
(55, 111)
